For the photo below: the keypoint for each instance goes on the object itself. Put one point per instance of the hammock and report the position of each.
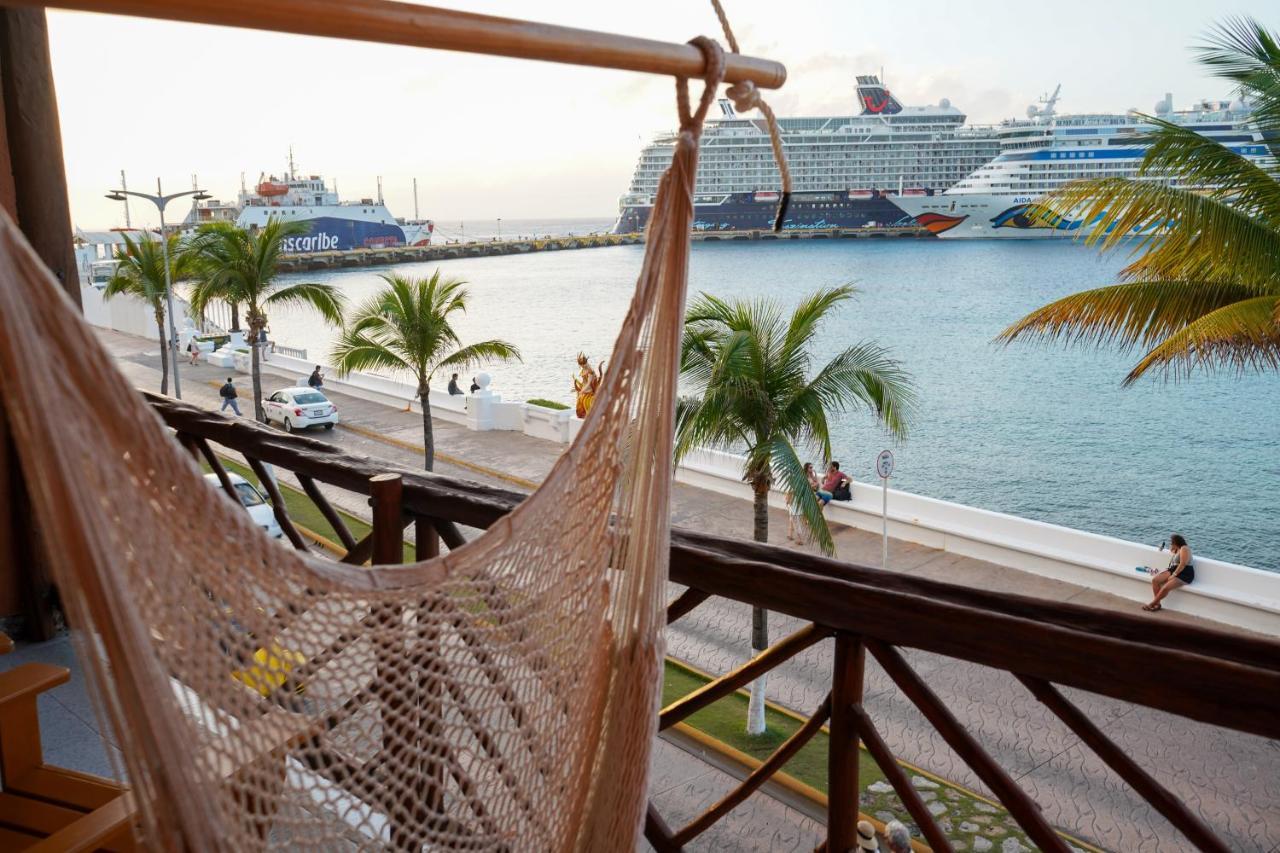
(501, 696)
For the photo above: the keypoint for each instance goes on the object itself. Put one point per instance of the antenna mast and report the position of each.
(415, 198)
(291, 163)
(379, 189)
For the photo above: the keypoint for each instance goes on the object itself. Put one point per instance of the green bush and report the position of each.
(546, 404)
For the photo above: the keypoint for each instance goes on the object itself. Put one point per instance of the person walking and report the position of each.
(454, 390)
(228, 394)
(193, 349)
(316, 379)
(1180, 572)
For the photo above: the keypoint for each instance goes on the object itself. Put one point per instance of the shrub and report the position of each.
(546, 404)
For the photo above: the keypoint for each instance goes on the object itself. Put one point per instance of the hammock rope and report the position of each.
(500, 696)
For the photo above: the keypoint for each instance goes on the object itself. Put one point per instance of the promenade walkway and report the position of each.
(1231, 779)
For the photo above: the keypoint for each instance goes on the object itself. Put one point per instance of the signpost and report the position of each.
(884, 468)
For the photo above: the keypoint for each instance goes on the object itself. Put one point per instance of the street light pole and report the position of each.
(160, 200)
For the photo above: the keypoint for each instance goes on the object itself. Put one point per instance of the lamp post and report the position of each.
(160, 200)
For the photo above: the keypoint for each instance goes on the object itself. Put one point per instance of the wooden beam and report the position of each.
(1021, 807)
(35, 143)
(1172, 807)
(389, 22)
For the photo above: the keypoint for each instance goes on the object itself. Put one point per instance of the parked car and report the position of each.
(300, 408)
(253, 501)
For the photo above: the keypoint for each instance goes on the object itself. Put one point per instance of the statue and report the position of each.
(586, 384)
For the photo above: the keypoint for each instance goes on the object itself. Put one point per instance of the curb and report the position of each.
(418, 448)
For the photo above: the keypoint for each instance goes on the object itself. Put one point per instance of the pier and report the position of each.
(520, 246)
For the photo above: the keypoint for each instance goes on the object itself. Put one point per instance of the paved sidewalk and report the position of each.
(1232, 780)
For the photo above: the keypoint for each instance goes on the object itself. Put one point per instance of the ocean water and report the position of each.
(1040, 431)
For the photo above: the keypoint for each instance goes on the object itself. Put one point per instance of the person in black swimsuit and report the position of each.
(1180, 573)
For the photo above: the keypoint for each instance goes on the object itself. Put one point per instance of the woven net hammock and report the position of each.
(501, 696)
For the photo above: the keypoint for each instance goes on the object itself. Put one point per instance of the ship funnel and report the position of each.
(726, 108)
(875, 98)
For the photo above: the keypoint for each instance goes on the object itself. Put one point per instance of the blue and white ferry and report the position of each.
(1046, 150)
(334, 225)
(847, 171)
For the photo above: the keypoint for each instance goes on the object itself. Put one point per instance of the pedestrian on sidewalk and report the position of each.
(228, 394)
(454, 390)
(194, 349)
(1180, 573)
(316, 379)
(824, 497)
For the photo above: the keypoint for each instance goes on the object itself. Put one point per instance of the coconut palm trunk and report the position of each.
(428, 434)
(257, 322)
(759, 616)
(164, 352)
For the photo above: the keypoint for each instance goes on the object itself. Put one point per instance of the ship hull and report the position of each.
(985, 217)
(807, 211)
(337, 233)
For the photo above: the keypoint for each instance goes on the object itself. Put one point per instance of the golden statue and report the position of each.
(586, 384)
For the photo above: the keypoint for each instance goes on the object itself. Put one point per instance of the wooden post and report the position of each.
(34, 140)
(842, 756)
(386, 493)
(33, 191)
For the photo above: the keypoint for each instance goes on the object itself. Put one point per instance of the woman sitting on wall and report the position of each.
(1180, 573)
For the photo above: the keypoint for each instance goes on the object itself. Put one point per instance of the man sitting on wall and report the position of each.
(837, 483)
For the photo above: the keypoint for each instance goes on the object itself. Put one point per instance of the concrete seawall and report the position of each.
(1224, 592)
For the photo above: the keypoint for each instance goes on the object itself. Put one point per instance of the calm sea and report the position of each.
(1037, 431)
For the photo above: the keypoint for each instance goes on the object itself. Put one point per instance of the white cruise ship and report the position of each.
(1046, 150)
(846, 171)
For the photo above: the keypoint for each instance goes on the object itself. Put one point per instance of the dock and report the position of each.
(448, 251)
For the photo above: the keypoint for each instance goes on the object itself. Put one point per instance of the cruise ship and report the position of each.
(1046, 150)
(847, 171)
(335, 225)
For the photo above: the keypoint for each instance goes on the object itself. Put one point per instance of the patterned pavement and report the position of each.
(1232, 780)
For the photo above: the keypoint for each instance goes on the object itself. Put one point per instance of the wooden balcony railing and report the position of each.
(1194, 672)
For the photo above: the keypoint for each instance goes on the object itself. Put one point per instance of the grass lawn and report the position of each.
(964, 816)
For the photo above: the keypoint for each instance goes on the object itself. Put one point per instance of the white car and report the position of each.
(253, 501)
(299, 408)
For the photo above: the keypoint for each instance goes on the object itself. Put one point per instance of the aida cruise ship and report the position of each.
(1046, 150)
(847, 171)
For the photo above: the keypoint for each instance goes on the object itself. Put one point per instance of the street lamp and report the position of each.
(160, 200)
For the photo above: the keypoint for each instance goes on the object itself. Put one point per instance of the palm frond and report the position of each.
(473, 355)
(788, 470)
(1184, 235)
(1125, 315)
(353, 353)
(866, 375)
(1241, 336)
(1242, 50)
(325, 298)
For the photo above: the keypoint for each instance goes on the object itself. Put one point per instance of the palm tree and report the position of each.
(140, 273)
(1204, 289)
(241, 268)
(756, 390)
(405, 326)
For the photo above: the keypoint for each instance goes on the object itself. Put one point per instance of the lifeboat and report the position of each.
(861, 194)
(271, 188)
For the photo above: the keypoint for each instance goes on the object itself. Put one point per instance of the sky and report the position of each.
(492, 137)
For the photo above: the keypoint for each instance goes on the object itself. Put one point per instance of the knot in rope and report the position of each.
(714, 54)
(745, 96)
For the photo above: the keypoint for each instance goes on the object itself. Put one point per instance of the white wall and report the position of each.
(1226, 592)
(123, 313)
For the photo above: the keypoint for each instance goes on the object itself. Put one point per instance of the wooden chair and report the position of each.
(42, 807)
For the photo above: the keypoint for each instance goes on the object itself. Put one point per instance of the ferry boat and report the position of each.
(847, 171)
(1046, 150)
(335, 225)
